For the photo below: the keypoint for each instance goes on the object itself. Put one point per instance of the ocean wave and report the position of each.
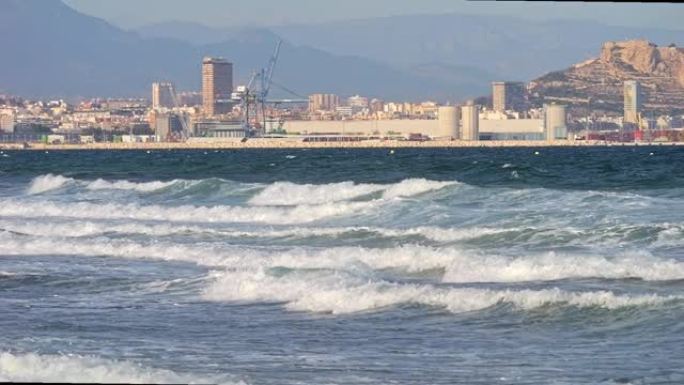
(287, 193)
(49, 182)
(101, 184)
(85, 228)
(461, 266)
(33, 367)
(457, 266)
(338, 294)
(411, 187)
(185, 213)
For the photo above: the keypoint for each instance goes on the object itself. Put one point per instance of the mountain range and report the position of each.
(51, 50)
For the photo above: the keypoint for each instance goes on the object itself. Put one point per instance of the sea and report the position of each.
(343, 266)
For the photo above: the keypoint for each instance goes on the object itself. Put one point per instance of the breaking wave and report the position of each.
(455, 265)
(75, 229)
(33, 367)
(339, 294)
(101, 184)
(185, 213)
(286, 193)
(49, 182)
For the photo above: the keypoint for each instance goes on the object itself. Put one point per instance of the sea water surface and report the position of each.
(422, 266)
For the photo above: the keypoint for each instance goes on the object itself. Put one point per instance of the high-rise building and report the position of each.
(508, 96)
(555, 122)
(633, 101)
(163, 95)
(470, 118)
(217, 86)
(323, 102)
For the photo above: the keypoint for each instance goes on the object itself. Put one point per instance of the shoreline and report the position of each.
(298, 144)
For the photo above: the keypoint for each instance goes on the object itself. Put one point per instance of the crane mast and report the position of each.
(255, 94)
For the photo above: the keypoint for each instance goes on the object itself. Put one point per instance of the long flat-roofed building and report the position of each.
(217, 86)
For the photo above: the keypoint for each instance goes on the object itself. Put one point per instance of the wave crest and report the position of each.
(101, 184)
(287, 193)
(44, 183)
(33, 367)
(339, 294)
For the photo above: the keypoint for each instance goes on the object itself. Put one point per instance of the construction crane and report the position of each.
(254, 96)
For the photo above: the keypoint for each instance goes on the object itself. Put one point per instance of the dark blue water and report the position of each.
(473, 266)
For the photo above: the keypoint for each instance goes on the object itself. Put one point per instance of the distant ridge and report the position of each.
(51, 50)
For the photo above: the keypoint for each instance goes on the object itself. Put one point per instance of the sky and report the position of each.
(230, 13)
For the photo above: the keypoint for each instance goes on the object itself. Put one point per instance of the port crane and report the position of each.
(253, 97)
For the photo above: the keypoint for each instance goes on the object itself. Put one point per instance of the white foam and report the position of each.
(78, 369)
(411, 187)
(552, 266)
(49, 182)
(457, 265)
(463, 267)
(101, 184)
(69, 228)
(186, 213)
(339, 294)
(286, 193)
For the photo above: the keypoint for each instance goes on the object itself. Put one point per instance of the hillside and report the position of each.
(660, 70)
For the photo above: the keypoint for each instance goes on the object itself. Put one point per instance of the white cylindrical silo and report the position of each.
(470, 128)
(448, 122)
(555, 122)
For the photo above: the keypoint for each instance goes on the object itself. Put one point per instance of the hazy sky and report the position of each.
(133, 13)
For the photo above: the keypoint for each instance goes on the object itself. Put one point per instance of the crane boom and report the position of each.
(267, 75)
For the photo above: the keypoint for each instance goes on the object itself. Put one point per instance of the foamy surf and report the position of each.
(457, 265)
(46, 183)
(286, 193)
(94, 227)
(33, 367)
(341, 294)
(101, 184)
(185, 213)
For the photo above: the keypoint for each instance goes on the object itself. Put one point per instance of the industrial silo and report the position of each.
(555, 122)
(448, 122)
(470, 129)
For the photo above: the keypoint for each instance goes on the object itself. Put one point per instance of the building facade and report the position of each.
(633, 101)
(323, 102)
(217, 86)
(508, 96)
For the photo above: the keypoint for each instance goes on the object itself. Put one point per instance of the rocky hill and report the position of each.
(598, 82)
